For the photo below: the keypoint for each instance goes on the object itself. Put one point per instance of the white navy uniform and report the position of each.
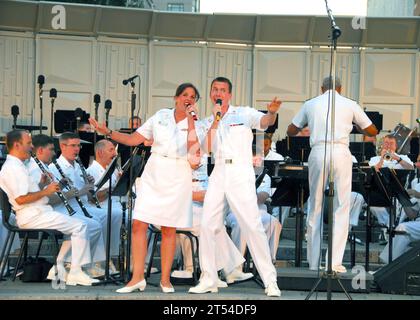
(97, 171)
(272, 226)
(16, 181)
(381, 213)
(314, 113)
(164, 192)
(74, 173)
(233, 180)
(228, 258)
(97, 247)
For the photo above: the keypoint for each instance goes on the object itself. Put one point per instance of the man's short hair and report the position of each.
(67, 136)
(223, 79)
(41, 140)
(390, 136)
(14, 136)
(100, 145)
(327, 83)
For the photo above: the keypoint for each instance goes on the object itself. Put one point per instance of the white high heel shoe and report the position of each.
(166, 289)
(138, 286)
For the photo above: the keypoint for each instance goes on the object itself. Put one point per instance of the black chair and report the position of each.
(155, 233)
(12, 230)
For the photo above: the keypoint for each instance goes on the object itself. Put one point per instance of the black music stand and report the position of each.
(124, 186)
(30, 128)
(107, 176)
(292, 190)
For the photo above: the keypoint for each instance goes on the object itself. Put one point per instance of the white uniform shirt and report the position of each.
(234, 134)
(97, 171)
(72, 172)
(16, 181)
(170, 138)
(314, 113)
(392, 164)
(273, 156)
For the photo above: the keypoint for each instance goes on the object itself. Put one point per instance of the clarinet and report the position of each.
(59, 193)
(85, 178)
(79, 201)
(123, 239)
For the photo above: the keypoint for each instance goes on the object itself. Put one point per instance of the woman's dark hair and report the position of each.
(181, 88)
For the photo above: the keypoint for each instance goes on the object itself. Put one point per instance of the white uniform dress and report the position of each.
(233, 180)
(314, 113)
(164, 194)
(96, 239)
(16, 181)
(97, 171)
(381, 213)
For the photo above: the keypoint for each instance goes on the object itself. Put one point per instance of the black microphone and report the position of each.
(192, 113)
(129, 79)
(96, 98)
(41, 80)
(78, 113)
(53, 93)
(108, 105)
(418, 120)
(218, 114)
(15, 111)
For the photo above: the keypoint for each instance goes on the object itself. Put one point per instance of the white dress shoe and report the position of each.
(273, 290)
(237, 275)
(76, 277)
(203, 287)
(221, 284)
(138, 286)
(167, 289)
(183, 274)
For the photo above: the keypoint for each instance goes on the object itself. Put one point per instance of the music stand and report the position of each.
(124, 186)
(298, 148)
(108, 176)
(292, 191)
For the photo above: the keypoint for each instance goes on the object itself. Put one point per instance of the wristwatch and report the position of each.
(399, 160)
(109, 134)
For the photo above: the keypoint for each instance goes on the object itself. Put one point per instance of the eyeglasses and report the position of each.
(73, 145)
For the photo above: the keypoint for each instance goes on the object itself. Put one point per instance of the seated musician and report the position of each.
(104, 154)
(30, 204)
(388, 158)
(44, 152)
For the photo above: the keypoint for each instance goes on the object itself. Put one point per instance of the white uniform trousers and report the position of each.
(235, 184)
(116, 220)
(341, 203)
(356, 204)
(272, 228)
(4, 232)
(400, 243)
(95, 236)
(71, 227)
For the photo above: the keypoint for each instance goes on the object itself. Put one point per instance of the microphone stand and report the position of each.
(40, 106)
(95, 134)
(329, 275)
(53, 95)
(130, 191)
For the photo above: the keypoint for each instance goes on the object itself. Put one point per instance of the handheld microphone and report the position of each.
(218, 114)
(192, 113)
(53, 93)
(96, 98)
(126, 81)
